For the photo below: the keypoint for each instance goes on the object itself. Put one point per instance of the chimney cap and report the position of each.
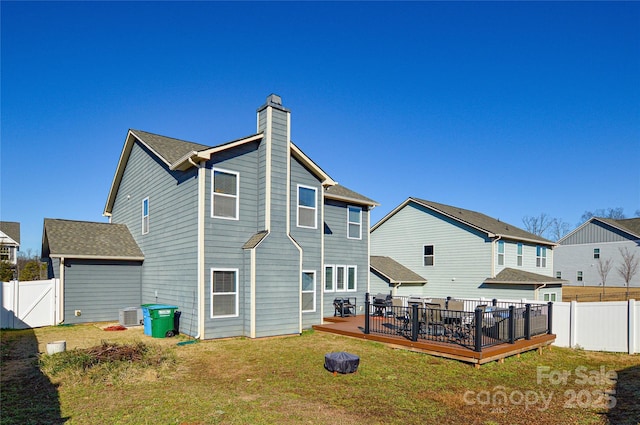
(275, 101)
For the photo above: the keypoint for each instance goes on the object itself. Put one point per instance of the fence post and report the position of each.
(414, 322)
(549, 317)
(512, 322)
(366, 314)
(478, 329)
(527, 322)
(633, 322)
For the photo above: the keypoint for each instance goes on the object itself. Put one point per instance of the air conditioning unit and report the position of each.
(131, 316)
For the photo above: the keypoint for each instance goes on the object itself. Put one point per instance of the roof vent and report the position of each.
(274, 99)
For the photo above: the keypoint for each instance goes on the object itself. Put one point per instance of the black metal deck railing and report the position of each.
(484, 326)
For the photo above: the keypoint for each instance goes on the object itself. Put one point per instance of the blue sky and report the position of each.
(507, 108)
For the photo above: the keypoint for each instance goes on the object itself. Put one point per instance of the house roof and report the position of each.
(629, 225)
(88, 240)
(255, 240)
(511, 276)
(491, 226)
(181, 155)
(341, 193)
(394, 271)
(11, 229)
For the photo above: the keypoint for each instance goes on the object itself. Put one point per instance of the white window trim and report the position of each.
(519, 254)
(298, 206)
(145, 216)
(344, 277)
(579, 276)
(541, 260)
(433, 256)
(349, 223)
(236, 196)
(500, 254)
(311, 291)
(224, 293)
(355, 279)
(333, 278)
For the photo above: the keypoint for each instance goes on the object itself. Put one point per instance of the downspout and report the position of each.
(395, 288)
(493, 255)
(536, 292)
(61, 297)
(200, 249)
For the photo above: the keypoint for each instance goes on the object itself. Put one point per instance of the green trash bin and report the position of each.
(162, 324)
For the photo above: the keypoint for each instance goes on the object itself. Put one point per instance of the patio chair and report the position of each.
(344, 306)
(399, 312)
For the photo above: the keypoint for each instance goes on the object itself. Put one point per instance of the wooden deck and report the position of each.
(354, 327)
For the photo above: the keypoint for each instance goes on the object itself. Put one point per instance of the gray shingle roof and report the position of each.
(255, 240)
(84, 239)
(342, 193)
(394, 271)
(169, 149)
(631, 225)
(520, 277)
(11, 229)
(484, 222)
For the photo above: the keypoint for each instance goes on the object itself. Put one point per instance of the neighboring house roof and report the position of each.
(88, 240)
(630, 226)
(509, 276)
(181, 155)
(393, 271)
(341, 193)
(12, 230)
(491, 226)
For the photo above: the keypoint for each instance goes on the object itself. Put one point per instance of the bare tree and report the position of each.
(559, 228)
(614, 213)
(604, 267)
(537, 225)
(629, 266)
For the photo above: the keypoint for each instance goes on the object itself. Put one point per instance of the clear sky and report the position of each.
(507, 108)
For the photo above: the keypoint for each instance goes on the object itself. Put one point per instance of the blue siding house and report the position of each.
(424, 248)
(597, 248)
(240, 235)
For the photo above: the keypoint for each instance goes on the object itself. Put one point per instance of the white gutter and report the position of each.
(537, 290)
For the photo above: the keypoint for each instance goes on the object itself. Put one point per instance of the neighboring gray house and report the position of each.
(248, 238)
(581, 253)
(429, 249)
(9, 241)
(98, 265)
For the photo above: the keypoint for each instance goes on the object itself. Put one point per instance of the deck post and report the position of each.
(527, 321)
(549, 317)
(512, 324)
(366, 314)
(494, 302)
(414, 322)
(478, 329)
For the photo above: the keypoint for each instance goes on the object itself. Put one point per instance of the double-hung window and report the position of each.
(145, 216)
(224, 293)
(428, 255)
(328, 279)
(308, 291)
(352, 273)
(501, 253)
(340, 278)
(224, 199)
(519, 256)
(541, 256)
(354, 222)
(596, 253)
(307, 202)
(579, 276)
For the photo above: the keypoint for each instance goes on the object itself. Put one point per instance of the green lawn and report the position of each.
(283, 381)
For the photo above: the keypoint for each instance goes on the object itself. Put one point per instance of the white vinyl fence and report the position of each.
(598, 326)
(29, 304)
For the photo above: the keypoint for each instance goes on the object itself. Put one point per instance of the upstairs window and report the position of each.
(501, 253)
(596, 253)
(145, 216)
(354, 222)
(307, 215)
(541, 256)
(558, 274)
(519, 257)
(224, 198)
(428, 255)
